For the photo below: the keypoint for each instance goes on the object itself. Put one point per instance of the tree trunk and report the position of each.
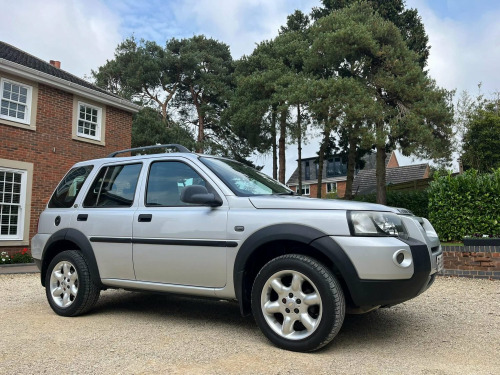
(380, 171)
(282, 145)
(351, 165)
(201, 131)
(322, 149)
(273, 143)
(299, 149)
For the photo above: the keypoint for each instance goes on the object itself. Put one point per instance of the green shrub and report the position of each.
(465, 204)
(20, 257)
(417, 201)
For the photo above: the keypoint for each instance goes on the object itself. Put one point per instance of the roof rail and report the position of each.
(179, 148)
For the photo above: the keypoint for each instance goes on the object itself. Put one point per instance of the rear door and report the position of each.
(106, 215)
(175, 242)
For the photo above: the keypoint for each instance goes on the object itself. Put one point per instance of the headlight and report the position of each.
(368, 223)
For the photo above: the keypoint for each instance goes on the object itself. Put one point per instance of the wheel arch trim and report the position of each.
(304, 234)
(84, 245)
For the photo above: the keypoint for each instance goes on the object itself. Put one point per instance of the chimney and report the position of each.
(55, 63)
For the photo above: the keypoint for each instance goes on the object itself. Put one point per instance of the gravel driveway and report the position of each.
(452, 328)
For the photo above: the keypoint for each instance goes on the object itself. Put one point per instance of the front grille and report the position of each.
(435, 249)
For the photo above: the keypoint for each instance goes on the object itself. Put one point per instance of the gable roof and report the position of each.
(370, 162)
(365, 181)
(18, 62)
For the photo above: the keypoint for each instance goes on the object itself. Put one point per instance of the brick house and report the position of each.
(334, 174)
(49, 119)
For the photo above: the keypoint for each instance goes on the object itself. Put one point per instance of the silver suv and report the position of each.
(180, 222)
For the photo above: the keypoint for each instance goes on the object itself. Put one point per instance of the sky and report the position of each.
(464, 35)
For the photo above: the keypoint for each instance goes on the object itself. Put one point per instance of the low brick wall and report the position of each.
(481, 262)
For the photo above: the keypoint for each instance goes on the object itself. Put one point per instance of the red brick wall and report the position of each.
(341, 189)
(393, 161)
(472, 261)
(54, 130)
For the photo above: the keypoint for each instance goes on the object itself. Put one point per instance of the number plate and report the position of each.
(439, 262)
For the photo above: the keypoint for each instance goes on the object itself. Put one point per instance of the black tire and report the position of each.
(299, 322)
(69, 286)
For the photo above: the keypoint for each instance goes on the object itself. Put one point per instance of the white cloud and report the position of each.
(463, 52)
(240, 24)
(82, 35)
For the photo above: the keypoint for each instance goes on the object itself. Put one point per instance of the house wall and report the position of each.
(51, 149)
(341, 189)
(393, 161)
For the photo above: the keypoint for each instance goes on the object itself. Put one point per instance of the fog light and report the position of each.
(402, 258)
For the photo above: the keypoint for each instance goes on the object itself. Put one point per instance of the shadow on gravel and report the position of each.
(173, 307)
(385, 327)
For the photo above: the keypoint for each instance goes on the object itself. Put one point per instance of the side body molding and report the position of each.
(81, 241)
(286, 232)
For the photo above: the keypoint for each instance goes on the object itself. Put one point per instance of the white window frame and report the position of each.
(329, 187)
(22, 205)
(306, 189)
(97, 137)
(29, 94)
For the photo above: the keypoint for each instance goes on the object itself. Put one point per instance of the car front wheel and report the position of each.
(298, 303)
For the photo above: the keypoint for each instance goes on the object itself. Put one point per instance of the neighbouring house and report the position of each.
(365, 181)
(334, 174)
(49, 119)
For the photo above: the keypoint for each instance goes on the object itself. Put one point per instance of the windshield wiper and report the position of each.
(287, 193)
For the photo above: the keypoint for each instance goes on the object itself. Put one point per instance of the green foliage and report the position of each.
(407, 21)
(465, 204)
(371, 85)
(415, 201)
(481, 143)
(148, 128)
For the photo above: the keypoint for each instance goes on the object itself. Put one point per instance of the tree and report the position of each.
(295, 31)
(143, 71)
(407, 21)
(401, 106)
(481, 142)
(206, 86)
(148, 128)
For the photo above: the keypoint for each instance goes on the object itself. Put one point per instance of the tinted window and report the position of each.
(114, 186)
(166, 181)
(68, 189)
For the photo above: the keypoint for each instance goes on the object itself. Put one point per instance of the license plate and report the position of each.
(439, 262)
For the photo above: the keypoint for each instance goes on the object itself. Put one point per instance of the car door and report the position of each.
(106, 215)
(176, 242)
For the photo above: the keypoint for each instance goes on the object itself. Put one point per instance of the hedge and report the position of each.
(415, 201)
(465, 205)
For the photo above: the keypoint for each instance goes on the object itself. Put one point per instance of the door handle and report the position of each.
(145, 218)
(82, 217)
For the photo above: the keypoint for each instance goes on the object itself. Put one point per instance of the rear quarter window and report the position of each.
(68, 189)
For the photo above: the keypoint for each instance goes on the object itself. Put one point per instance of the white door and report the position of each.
(175, 242)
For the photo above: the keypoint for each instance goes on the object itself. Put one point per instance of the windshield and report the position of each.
(243, 180)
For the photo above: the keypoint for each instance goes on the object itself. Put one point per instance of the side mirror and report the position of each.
(198, 194)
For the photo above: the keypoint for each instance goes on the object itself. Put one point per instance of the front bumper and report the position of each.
(391, 292)
(387, 284)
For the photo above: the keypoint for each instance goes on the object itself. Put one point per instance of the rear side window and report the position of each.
(114, 186)
(68, 189)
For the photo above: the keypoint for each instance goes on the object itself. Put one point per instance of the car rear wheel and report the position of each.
(69, 286)
(298, 303)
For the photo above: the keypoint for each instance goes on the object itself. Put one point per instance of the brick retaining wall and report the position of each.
(481, 262)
